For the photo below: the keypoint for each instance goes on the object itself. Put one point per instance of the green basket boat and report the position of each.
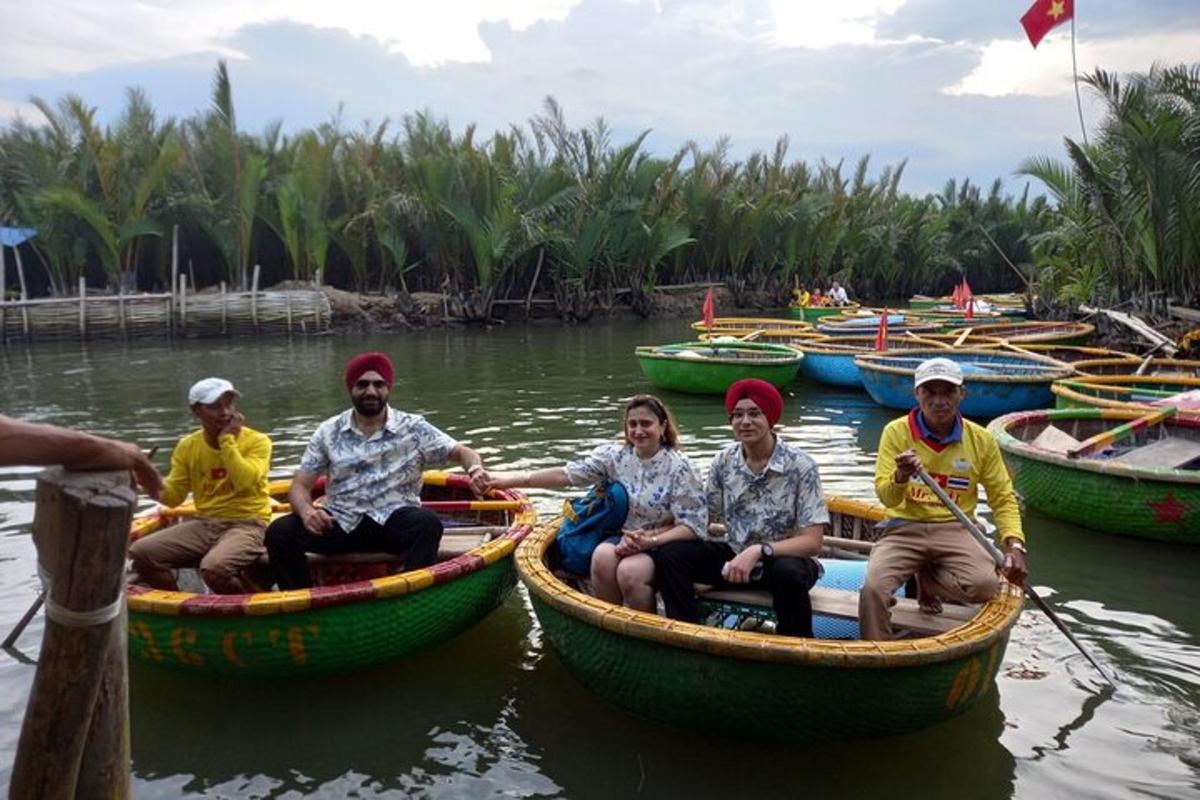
(762, 686)
(1124, 392)
(1129, 365)
(357, 614)
(815, 313)
(712, 367)
(1139, 489)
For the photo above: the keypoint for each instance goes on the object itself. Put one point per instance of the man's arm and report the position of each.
(315, 520)
(888, 488)
(36, 444)
(246, 470)
(470, 461)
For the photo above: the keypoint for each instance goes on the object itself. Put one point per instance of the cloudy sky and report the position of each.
(952, 86)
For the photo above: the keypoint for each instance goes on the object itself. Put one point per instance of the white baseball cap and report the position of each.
(210, 390)
(938, 369)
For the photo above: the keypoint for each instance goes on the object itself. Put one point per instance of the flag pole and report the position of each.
(1075, 75)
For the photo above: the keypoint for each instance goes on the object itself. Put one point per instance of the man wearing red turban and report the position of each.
(372, 456)
(768, 493)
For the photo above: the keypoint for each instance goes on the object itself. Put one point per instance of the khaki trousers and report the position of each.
(221, 548)
(946, 560)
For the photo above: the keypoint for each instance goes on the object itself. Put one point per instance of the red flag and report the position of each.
(970, 309)
(881, 332)
(706, 310)
(1044, 15)
(966, 290)
(956, 296)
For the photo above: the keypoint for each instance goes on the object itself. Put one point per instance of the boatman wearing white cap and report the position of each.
(224, 467)
(921, 535)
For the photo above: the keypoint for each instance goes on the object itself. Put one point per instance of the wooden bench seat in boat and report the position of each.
(1055, 440)
(843, 603)
(1169, 452)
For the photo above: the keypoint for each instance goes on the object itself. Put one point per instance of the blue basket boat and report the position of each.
(831, 360)
(997, 382)
(868, 323)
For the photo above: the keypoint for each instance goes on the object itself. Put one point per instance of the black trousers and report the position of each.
(677, 565)
(412, 532)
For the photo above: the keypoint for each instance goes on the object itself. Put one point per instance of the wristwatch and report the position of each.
(767, 550)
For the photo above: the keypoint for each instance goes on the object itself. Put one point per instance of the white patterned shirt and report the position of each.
(663, 490)
(770, 506)
(373, 475)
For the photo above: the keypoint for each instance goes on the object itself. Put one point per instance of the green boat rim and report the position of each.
(144, 600)
(989, 625)
(1011, 444)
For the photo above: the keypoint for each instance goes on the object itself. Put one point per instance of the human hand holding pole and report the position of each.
(998, 557)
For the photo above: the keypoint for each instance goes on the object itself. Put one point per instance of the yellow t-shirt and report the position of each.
(958, 467)
(229, 483)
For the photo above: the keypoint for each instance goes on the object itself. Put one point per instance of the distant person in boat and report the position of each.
(921, 537)
(372, 456)
(223, 466)
(666, 499)
(837, 295)
(768, 493)
(817, 300)
(801, 297)
(36, 444)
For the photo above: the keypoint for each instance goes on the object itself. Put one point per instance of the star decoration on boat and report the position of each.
(1168, 509)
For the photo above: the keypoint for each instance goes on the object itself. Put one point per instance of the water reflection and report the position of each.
(494, 713)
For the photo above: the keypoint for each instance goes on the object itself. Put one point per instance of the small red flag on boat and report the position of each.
(1044, 15)
(970, 309)
(706, 310)
(881, 332)
(956, 296)
(967, 295)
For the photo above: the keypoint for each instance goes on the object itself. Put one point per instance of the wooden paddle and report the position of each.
(997, 557)
(1094, 443)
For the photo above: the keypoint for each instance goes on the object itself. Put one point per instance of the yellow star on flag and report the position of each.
(1057, 9)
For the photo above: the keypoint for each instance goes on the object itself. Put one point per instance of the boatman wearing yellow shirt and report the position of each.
(224, 466)
(921, 535)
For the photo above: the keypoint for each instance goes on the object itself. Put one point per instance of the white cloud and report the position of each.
(11, 110)
(77, 36)
(1012, 67)
(826, 24)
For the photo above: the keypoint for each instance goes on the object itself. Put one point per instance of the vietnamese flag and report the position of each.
(706, 310)
(881, 332)
(1044, 15)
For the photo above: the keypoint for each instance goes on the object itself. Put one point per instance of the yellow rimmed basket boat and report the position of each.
(1037, 332)
(1129, 392)
(741, 326)
(362, 610)
(1074, 354)
(762, 686)
(1130, 365)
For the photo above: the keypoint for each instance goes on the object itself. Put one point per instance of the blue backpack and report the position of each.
(587, 521)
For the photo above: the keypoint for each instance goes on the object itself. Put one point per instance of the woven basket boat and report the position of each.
(1039, 332)
(1129, 365)
(814, 313)
(357, 614)
(1003, 301)
(1127, 392)
(831, 360)
(997, 381)
(761, 686)
(741, 326)
(1140, 490)
(712, 367)
(898, 324)
(1074, 354)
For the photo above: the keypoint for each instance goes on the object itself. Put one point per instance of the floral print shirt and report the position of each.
(663, 490)
(373, 475)
(768, 507)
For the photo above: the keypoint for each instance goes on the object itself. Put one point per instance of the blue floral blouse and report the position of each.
(663, 490)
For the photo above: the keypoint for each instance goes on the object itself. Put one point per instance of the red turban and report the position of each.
(765, 396)
(367, 362)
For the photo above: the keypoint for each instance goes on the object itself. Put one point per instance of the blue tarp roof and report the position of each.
(11, 237)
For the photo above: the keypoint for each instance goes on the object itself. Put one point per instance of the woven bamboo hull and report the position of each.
(1161, 504)
(778, 366)
(987, 395)
(760, 686)
(834, 369)
(1122, 392)
(332, 628)
(1067, 333)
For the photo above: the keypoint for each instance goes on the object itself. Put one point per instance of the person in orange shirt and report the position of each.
(224, 466)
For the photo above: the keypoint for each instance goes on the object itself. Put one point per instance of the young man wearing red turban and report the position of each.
(372, 456)
(768, 492)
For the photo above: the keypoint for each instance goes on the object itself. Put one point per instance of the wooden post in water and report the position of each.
(224, 303)
(82, 308)
(24, 294)
(3, 299)
(183, 304)
(75, 738)
(174, 279)
(254, 298)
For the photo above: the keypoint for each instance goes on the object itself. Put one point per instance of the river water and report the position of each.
(494, 713)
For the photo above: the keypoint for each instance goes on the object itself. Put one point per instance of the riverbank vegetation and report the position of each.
(571, 215)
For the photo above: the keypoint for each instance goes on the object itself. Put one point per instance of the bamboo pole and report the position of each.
(75, 739)
(174, 278)
(224, 306)
(183, 304)
(121, 307)
(24, 294)
(82, 307)
(533, 284)
(254, 298)
(288, 297)
(3, 298)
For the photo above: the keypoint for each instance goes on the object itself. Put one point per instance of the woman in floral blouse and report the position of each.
(666, 499)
